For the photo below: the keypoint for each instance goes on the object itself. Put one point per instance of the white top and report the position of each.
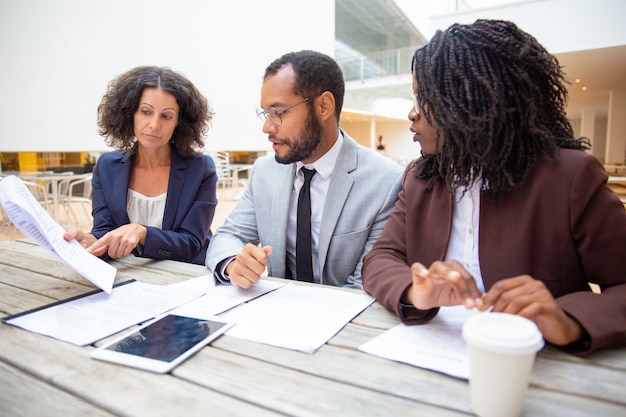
(463, 246)
(144, 210)
(319, 188)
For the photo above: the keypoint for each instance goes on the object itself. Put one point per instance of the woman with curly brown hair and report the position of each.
(155, 195)
(504, 210)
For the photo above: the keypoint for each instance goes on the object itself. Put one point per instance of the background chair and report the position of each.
(6, 222)
(226, 181)
(76, 191)
(40, 193)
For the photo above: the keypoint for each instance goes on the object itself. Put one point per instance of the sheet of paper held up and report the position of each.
(297, 317)
(437, 345)
(85, 320)
(220, 298)
(32, 220)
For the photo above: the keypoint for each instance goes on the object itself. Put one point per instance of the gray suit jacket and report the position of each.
(361, 195)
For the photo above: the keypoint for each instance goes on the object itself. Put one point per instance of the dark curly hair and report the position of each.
(315, 73)
(121, 100)
(498, 98)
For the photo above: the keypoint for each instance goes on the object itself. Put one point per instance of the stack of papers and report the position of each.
(219, 298)
(297, 317)
(87, 319)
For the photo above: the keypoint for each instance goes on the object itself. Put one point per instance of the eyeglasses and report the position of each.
(276, 115)
(415, 102)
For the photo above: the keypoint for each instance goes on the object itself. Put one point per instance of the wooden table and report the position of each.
(41, 376)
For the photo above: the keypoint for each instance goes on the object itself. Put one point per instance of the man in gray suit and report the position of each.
(352, 191)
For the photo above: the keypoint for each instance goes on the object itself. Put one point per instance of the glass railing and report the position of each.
(378, 64)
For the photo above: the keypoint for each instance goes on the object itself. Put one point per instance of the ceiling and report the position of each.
(600, 71)
(374, 25)
(368, 26)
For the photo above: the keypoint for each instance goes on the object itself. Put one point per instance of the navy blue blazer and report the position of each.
(189, 207)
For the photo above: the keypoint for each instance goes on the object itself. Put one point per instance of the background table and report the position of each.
(236, 170)
(40, 376)
(52, 182)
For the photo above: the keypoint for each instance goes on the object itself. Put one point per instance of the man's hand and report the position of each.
(248, 265)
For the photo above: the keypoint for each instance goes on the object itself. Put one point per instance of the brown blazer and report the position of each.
(564, 226)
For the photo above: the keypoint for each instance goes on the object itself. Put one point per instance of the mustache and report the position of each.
(274, 139)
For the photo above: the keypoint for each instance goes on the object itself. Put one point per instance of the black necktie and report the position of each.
(304, 261)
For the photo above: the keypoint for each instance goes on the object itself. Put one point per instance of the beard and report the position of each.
(303, 146)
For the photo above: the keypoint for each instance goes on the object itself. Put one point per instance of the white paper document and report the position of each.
(296, 317)
(437, 345)
(220, 298)
(84, 320)
(32, 220)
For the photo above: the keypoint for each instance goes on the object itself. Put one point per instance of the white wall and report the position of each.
(399, 141)
(559, 25)
(397, 138)
(56, 58)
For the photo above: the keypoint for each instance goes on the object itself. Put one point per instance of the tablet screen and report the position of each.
(167, 338)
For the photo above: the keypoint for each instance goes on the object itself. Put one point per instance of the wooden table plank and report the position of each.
(37, 259)
(610, 358)
(377, 316)
(580, 379)
(53, 287)
(32, 257)
(14, 300)
(363, 370)
(40, 399)
(119, 390)
(176, 268)
(309, 394)
(238, 377)
(354, 335)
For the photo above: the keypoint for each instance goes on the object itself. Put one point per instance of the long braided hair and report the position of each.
(498, 98)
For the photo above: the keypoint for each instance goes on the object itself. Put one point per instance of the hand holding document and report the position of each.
(219, 298)
(32, 220)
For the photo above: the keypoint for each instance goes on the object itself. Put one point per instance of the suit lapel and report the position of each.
(175, 189)
(282, 187)
(340, 185)
(121, 179)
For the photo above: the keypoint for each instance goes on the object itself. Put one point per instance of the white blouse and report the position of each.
(144, 210)
(463, 246)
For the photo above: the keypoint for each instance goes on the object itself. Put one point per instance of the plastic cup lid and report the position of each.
(503, 333)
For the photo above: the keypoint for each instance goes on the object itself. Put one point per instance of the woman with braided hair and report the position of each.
(504, 210)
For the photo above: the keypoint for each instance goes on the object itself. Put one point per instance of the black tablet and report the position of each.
(163, 343)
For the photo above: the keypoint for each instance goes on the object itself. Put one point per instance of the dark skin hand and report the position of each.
(448, 283)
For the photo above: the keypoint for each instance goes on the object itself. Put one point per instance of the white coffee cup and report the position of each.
(502, 349)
